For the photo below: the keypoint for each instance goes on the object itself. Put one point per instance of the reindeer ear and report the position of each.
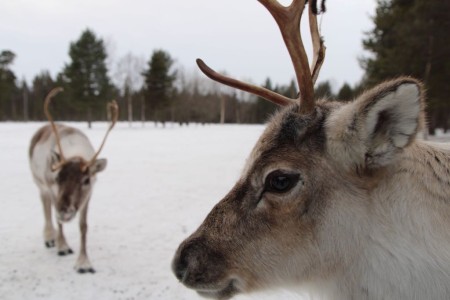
(55, 158)
(98, 166)
(380, 123)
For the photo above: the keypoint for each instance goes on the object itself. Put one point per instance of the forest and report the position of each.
(409, 37)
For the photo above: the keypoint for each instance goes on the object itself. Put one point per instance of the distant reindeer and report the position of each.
(64, 166)
(341, 199)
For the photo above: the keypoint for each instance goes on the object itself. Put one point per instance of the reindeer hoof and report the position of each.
(87, 270)
(50, 244)
(65, 252)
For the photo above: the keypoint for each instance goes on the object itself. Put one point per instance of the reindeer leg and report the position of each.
(83, 264)
(63, 247)
(49, 231)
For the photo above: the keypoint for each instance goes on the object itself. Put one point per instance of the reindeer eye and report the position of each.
(280, 182)
(86, 181)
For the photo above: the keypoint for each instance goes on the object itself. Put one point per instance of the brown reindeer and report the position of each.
(64, 166)
(342, 199)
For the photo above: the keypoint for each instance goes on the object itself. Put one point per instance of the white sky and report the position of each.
(238, 36)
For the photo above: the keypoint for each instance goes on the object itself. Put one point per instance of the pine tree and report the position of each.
(159, 85)
(411, 38)
(41, 86)
(86, 76)
(346, 93)
(264, 109)
(8, 86)
(323, 90)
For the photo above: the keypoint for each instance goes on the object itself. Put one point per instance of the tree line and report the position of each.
(146, 91)
(410, 37)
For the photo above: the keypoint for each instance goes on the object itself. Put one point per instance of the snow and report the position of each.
(157, 188)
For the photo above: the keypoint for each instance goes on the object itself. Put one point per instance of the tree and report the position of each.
(8, 86)
(411, 37)
(6, 58)
(323, 90)
(263, 108)
(25, 98)
(128, 77)
(86, 76)
(290, 90)
(42, 83)
(159, 84)
(345, 93)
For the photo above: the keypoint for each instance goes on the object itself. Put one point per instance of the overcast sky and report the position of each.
(238, 36)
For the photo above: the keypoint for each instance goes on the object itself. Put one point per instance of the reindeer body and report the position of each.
(64, 167)
(68, 190)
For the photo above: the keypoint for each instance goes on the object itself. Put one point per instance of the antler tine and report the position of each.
(288, 20)
(113, 109)
(253, 89)
(318, 46)
(48, 99)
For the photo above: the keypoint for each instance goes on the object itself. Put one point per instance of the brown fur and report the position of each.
(237, 224)
(70, 180)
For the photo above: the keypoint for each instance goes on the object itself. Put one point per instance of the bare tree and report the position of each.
(128, 78)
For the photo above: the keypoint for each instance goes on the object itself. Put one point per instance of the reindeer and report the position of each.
(64, 166)
(339, 199)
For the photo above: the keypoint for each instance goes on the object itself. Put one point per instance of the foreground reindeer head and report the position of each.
(286, 221)
(74, 177)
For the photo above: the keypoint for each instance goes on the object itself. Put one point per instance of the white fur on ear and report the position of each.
(370, 131)
(55, 160)
(401, 110)
(55, 157)
(98, 166)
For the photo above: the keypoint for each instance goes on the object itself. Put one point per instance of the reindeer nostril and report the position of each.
(180, 267)
(195, 263)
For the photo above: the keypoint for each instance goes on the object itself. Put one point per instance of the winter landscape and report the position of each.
(159, 185)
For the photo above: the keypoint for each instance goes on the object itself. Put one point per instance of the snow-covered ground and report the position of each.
(158, 187)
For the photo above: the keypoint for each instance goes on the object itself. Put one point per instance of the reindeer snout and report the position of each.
(188, 260)
(66, 214)
(196, 264)
(180, 267)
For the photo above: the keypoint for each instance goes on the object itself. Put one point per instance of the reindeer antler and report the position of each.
(288, 20)
(113, 111)
(257, 90)
(48, 99)
(317, 41)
